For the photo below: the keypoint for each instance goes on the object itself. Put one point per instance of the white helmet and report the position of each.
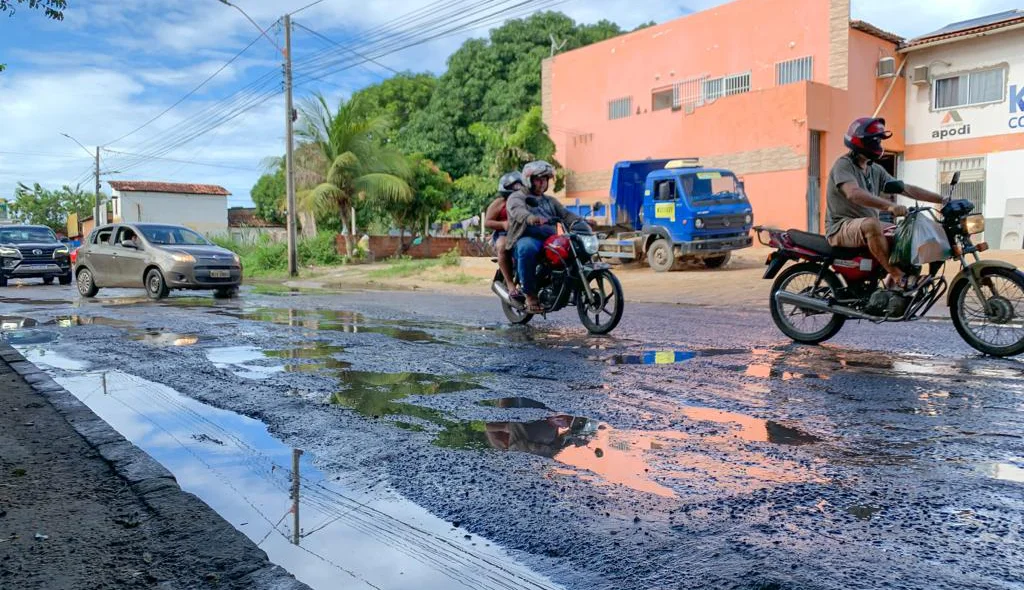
(538, 169)
(508, 181)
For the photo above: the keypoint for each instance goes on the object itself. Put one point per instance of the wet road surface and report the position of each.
(694, 448)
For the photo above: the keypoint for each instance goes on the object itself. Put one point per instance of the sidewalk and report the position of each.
(81, 507)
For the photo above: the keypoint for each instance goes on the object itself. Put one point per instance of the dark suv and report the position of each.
(33, 252)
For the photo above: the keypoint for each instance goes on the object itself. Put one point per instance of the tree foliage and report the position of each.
(53, 9)
(492, 81)
(510, 147)
(397, 99)
(39, 206)
(432, 190)
(268, 194)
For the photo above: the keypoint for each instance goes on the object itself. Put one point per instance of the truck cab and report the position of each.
(681, 210)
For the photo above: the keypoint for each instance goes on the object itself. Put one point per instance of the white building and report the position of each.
(201, 207)
(965, 111)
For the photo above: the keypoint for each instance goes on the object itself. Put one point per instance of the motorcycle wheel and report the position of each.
(606, 291)
(1000, 330)
(515, 315)
(815, 327)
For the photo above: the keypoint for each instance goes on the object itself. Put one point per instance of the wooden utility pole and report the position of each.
(296, 453)
(289, 168)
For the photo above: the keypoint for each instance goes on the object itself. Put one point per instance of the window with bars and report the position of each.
(620, 108)
(972, 180)
(690, 93)
(794, 70)
(712, 89)
(736, 84)
(981, 87)
(662, 99)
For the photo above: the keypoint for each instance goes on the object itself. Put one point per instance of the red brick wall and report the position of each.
(386, 246)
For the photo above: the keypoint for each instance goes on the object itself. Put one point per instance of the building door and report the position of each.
(814, 183)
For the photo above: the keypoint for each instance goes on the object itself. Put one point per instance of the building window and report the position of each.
(736, 84)
(662, 99)
(794, 70)
(982, 87)
(620, 108)
(712, 89)
(972, 180)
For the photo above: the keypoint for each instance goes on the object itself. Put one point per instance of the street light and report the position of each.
(96, 206)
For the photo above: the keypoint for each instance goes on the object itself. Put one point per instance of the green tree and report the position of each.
(268, 194)
(53, 9)
(432, 189)
(510, 147)
(471, 195)
(40, 206)
(347, 165)
(396, 98)
(493, 81)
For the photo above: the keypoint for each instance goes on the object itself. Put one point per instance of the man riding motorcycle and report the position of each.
(855, 186)
(531, 214)
(496, 219)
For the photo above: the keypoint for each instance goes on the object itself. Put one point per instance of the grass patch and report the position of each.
(263, 258)
(403, 266)
(459, 279)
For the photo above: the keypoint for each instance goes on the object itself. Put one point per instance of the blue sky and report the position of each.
(113, 65)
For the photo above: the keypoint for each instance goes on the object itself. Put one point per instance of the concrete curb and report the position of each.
(154, 485)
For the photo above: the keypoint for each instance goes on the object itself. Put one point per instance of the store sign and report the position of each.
(952, 126)
(1016, 121)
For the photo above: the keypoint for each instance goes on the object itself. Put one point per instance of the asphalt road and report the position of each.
(694, 448)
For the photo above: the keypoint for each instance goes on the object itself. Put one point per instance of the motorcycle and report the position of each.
(812, 299)
(570, 274)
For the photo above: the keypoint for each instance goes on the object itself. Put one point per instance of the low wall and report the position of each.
(386, 246)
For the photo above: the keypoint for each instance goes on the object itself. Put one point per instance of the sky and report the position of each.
(112, 66)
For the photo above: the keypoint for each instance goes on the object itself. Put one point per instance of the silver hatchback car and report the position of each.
(158, 258)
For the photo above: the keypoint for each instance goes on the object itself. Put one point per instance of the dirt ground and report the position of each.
(68, 520)
(738, 285)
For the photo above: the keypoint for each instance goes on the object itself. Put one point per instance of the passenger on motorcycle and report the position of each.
(531, 215)
(496, 219)
(854, 195)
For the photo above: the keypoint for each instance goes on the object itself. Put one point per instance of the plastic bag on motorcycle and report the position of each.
(920, 240)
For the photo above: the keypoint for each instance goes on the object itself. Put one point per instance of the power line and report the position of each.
(353, 51)
(211, 165)
(310, 5)
(41, 154)
(194, 90)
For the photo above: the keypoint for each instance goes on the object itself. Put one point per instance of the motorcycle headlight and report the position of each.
(698, 223)
(9, 252)
(973, 224)
(590, 244)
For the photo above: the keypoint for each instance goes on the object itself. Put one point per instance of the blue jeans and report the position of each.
(526, 250)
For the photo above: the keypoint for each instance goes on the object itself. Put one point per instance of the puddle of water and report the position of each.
(1009, 471)
(158, 338)
(334, 320)
(238, 359)
(513, 402)
(671, 357)
(348, 536)
(751, 429)
(378, 394)
(325, 365)
(317, 350)
(863, 512)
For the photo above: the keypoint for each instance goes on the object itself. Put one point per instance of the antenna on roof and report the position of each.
(556, 46)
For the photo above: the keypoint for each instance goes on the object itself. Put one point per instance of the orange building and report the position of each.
(766, 88)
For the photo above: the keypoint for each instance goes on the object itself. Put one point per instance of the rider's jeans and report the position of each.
(526, 251)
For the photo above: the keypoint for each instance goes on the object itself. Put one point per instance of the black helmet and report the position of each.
(507, 183)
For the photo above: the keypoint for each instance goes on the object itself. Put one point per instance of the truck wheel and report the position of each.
(718, 261)
(47, 280)
(660, 256)
(65, 279)
(3, 281)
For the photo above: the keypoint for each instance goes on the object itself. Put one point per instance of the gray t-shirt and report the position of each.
(839, 207)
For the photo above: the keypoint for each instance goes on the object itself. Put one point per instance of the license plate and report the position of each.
(35, 266)
(220, 274)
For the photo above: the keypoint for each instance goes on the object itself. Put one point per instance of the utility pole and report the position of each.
(293, 266)
(96, 207)
(296, 453)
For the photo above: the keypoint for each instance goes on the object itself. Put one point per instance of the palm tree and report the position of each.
(340, 162)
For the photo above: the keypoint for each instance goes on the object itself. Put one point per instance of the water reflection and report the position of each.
(329, 532)
(1009, 471)
(378, 394)
(158, 338)
(512, 402)
(243, 360)
(334, 320)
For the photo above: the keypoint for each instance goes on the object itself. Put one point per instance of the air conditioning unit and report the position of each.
(920, 76)
(887, 67)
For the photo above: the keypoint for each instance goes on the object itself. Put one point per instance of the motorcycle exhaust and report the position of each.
(499, 289)
(810, 303)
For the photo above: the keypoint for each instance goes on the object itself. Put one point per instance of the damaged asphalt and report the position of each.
(694, 448)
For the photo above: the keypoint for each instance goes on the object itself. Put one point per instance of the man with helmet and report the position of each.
(531, 215)
(496, 219)
(854, 194)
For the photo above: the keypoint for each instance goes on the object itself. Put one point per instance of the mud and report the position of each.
(890, 458)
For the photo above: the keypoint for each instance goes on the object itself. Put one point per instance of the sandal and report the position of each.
(516, 295)
(534, 308)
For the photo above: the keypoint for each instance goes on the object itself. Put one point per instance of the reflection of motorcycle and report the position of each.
(568, 274)
(541, 437)
(811, 300)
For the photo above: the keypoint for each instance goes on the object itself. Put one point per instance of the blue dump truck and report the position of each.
(676, 210)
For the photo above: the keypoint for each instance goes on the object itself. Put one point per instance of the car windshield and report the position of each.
(168, 235)
(27, 235)
(712, 186)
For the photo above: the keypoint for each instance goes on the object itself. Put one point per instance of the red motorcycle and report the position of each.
(812, 299)
(569, 274)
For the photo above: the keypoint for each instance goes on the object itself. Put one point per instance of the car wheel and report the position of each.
(226, 293)
(47, 280)
(86, 284)
(3, 281)
(65, 279)
(156, 287)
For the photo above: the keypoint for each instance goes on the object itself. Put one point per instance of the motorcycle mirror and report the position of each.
(956, 179)
(598, 205)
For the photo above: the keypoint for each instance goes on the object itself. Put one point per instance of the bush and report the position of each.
(264, 256)
(321, 250)
(450, 258)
